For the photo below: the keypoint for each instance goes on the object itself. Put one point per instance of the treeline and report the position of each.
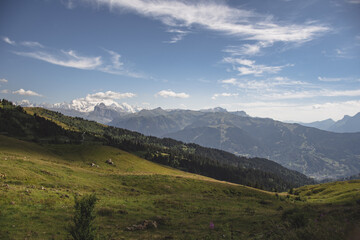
(48, 126)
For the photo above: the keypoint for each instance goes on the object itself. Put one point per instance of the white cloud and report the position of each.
(263, 85)
(297, 112)
(353, 1)
(110, 95)
(88, 103)
(25, 103)
(3, 80)
(9, 41)
(5, 91)
(68, 4)
(32, 44)
(117, 67)
(248, 67)
(70, 58)
(221, 18)
(326, 79)
(169, 93)
(216, 95)
(26, 93)
(179, 35)
(247, 49)
(232, 81)
(65, 58)
(311, 94)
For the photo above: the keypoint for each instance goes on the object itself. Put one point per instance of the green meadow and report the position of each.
(38, 184)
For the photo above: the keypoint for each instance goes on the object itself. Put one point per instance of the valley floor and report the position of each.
(38, 184)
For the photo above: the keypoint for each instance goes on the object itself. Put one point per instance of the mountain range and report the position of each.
(316, 153)
(347, 124)
(96, 111)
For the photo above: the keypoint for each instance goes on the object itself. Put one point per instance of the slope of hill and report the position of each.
(39, 182)
(257, 172)
(313, 152)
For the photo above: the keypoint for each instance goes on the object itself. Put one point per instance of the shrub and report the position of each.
(82, 228)
(105, 211)
(295, 217)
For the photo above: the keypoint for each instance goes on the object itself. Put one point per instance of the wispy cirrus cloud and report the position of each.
(304, 112)
(353, 1)
(110, 63)
(27, 93)
(109, 95)
(32, 44)
(327, 79)
(178, 35)
(247, 49)
(70, 4)
(248, 67)
(65, 58)
(216, 95)
(282, 88)
(219, 17)
(311, 94)
(267, 85)
(169, 93)
(9, 41)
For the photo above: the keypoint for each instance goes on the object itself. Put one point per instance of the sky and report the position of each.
(283, 59)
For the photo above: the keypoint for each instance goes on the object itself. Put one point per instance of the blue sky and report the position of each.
(284, 59)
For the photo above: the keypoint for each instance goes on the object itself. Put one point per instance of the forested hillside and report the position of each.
(313, 152)
(46, 126)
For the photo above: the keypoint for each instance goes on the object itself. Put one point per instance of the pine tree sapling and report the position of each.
(82, 228)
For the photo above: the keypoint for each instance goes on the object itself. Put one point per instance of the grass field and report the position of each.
(38, 184)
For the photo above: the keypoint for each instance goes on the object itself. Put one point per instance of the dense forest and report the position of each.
(49, 127)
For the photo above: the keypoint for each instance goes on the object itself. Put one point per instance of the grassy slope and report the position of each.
(136, 189)
(284, 177)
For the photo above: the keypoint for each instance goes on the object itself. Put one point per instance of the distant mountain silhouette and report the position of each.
(346, 125)
(316, 153)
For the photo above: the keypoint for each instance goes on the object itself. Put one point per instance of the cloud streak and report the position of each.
(353, 1)
(9, 41)
(65, 58)
(302, 112)
(216, 95)
(282, 88)
(111, 64)
(263, 85)
(247, 49)
(245, 24)
(311, 94)
(179, 35)
(326, 79)
(169, 93)
(27, 93)
(248, 67)
(109, 95)
(32, 44)
(3, 80)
